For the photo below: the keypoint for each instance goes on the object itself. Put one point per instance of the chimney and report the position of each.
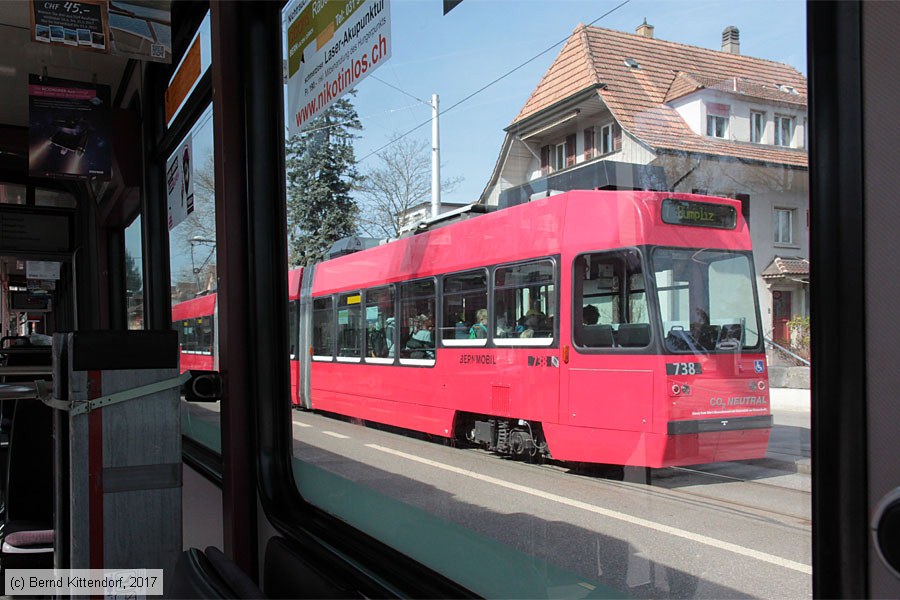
(731, 40)
(644, 29)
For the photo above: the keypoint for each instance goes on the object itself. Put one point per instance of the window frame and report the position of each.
(464, 342)
(607, 136)
(757, 136)
(711, 121)
(542, 342)
(650, 303)
(779, 133)
(400, 341)
(780, 210)
(557, 157)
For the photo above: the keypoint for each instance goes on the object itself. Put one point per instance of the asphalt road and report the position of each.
(509, 529)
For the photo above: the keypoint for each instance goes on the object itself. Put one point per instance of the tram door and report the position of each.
(881, 86)
(855, 290)
(609, 388)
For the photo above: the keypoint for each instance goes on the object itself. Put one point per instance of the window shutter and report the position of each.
(617, 137)
(545, 159)
(588, 144)
(570, 150)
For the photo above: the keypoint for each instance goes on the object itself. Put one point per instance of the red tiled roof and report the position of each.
(782, 267)
(637, 96)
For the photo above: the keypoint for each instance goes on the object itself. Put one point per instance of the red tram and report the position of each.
(591, 326)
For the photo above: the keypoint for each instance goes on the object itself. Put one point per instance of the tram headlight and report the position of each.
(761, 385)
(676, 389)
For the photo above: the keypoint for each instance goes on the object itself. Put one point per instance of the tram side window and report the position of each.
(204, 335)
(610, 301)
(293, 327)
(381, 326)
(464, 295)
(195, 335)
(525, 304)
(417, 302)
(323, 329)
(179, 326)
(349, 325)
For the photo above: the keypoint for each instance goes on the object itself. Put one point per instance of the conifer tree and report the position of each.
(321, 172)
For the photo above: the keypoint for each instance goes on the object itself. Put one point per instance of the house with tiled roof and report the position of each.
(618, 110)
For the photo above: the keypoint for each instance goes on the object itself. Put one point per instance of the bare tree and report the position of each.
(401, 180)
(195, 237)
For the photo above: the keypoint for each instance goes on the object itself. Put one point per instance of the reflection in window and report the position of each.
(12, 193)
(54, 198)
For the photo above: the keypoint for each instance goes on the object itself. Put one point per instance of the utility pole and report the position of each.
(435, 159)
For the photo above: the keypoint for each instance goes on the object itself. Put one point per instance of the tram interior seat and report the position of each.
(15, 351)
(633, 335)
(27, 536)
(597, 336)
(210, 574)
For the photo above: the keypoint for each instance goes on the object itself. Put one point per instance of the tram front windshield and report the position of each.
(706, 300)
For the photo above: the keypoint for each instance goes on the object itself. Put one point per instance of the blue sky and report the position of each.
(481, 40)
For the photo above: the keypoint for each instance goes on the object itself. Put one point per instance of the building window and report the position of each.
(558, 157)
(590, 150)
(784, 224)
(716, 126)
(717, 119)
(757, 127)
(784, 131)
(607, 140)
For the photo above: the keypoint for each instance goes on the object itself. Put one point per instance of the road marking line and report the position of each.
(299, 424)
(340, 436)
(688, 535)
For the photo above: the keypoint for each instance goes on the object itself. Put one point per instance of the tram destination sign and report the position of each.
(698, 214)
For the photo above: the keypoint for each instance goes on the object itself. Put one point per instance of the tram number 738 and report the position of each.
(683, 368)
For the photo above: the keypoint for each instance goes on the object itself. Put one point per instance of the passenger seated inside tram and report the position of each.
(422, 340)
(503, 328)
(461, 329)
(590, 315)
(479, 330)
(534, 321)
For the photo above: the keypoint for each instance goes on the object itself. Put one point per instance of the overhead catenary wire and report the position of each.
(484, 87)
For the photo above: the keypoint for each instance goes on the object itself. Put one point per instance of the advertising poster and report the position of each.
(82, 25)
(180, 183)
(141, 29)
(332, 46)
(68, 129)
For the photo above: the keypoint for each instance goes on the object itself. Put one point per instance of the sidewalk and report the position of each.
(791, 399)
(789, 444)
